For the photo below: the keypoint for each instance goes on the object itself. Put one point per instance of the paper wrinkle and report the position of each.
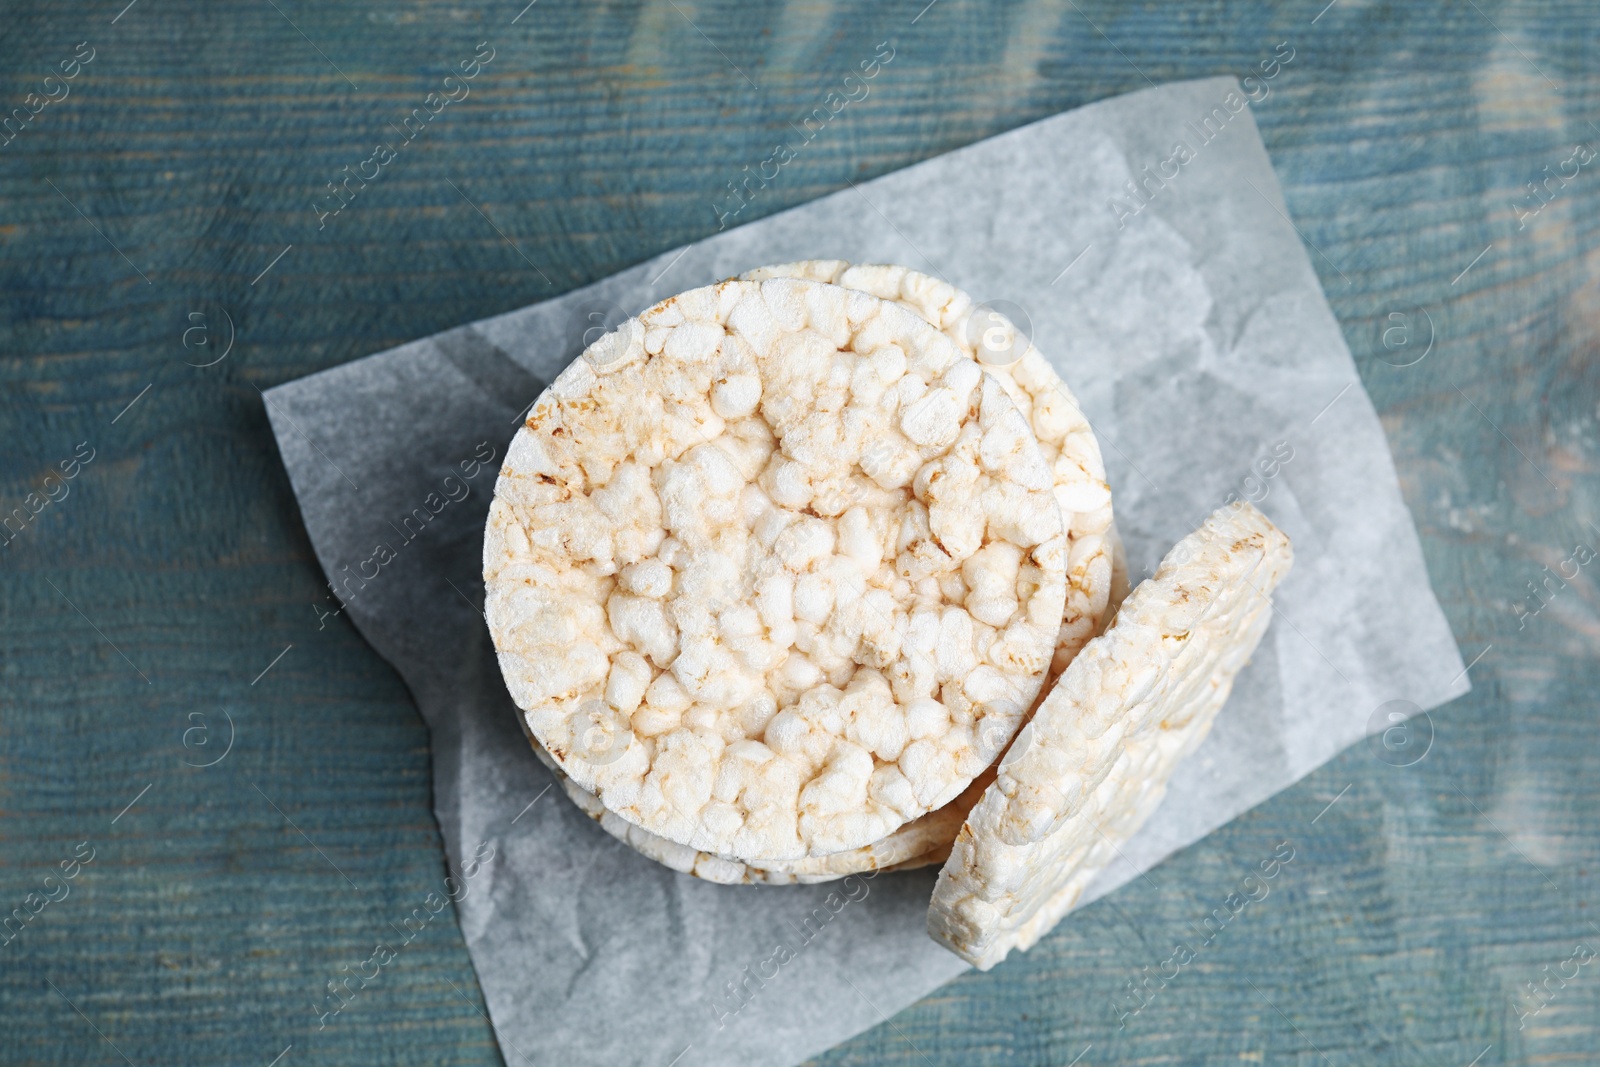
(1195, 335)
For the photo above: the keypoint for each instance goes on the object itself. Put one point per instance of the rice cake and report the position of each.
(789, 554)
(1092, 763)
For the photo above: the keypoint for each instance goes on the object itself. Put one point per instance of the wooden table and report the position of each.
(173, 193)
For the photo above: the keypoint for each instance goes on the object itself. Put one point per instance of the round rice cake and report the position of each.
(1093, 762)
(773, 569)
(1058, 423)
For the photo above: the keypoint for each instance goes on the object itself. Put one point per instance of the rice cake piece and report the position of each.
(734, 542)
(1064, 435)
(1092, 764)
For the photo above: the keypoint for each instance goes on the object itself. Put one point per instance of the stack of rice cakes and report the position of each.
(778, 570)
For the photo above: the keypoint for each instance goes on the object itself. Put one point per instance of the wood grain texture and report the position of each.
(188, 155)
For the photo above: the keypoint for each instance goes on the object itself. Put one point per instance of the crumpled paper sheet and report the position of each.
(1197, 338)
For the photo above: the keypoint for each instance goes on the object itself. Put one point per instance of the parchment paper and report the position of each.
(1194, 332)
